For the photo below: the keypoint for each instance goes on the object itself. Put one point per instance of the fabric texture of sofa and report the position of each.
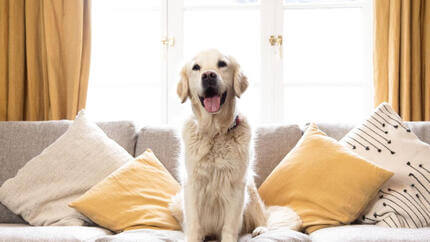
(21, 141)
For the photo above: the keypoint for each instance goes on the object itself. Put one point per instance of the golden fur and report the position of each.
(220, 195)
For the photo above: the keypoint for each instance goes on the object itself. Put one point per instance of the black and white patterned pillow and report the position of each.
(404, 200)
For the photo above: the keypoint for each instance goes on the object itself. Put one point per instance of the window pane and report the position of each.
(223, 30)
(250, 104)
(324, 45)
(125, 60)
(324, 104)
(233, 35)
(136, 102)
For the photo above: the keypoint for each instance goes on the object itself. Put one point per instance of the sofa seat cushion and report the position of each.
(369, 233)
(23, 232)
(278, 235)
(144, 235)
(172, 236)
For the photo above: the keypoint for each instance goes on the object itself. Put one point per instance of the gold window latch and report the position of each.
(168, 41)
(275, 40)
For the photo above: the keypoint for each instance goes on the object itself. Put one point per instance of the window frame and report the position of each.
(367, 87)
(271, 60)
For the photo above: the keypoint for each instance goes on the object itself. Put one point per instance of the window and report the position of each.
(326, 61)
(126, 64)
(306, 60)
(235, 30)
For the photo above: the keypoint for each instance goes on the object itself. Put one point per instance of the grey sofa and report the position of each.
(20, 141)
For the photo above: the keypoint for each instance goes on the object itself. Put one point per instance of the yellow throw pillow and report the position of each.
(324, 182)
(135, 196)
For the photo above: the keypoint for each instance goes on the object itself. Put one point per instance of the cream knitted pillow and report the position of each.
(387, 141)
(64, 171)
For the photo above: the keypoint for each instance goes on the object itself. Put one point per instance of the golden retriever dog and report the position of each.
(219, 198)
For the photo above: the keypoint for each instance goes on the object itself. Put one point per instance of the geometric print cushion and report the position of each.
(384, 139)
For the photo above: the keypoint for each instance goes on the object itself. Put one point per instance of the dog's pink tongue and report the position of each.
(212, 104)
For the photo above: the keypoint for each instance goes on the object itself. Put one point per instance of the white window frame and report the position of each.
(272, 73)
(273, 61)
(175, 20)
(271, 84)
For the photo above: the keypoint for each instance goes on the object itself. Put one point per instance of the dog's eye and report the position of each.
(196, 67)
(221, 64)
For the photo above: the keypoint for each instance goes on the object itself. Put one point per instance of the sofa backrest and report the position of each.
(164, 142)
(272, 143)
(21, 141)
(338, 131)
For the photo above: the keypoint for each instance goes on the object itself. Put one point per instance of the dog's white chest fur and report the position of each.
(217, 170)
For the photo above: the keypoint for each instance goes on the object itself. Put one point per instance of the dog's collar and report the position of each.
(235, 123)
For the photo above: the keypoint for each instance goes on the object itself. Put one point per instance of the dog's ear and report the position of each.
(240, 81)
(182, 89)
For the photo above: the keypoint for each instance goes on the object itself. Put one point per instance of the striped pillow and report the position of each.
(387, 141)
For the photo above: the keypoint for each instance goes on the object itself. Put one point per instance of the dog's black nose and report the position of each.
(209, 79)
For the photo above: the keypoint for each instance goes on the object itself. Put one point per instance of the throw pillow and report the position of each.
(386, 140)
(324, 182)
(77, 160)
(136, 196)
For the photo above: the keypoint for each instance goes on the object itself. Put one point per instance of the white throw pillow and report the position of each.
(387, 141)
(64, 171)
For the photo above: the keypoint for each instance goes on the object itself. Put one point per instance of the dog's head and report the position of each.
(211, 80)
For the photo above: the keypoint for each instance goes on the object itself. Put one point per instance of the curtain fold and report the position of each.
(402, 56)
(44, 58)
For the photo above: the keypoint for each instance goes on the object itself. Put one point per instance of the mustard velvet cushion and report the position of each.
(133, 197)
(324, 182)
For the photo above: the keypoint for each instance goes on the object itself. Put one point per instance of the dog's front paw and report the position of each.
(259, 230)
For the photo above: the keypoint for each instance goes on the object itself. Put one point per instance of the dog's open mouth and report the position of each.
(212, 103)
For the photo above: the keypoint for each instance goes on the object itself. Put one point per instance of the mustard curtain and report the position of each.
(44, 58)
(402, 56)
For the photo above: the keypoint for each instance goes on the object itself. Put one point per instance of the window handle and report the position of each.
(279, 40)
(275, 40)
(168, 41)
(272, 40)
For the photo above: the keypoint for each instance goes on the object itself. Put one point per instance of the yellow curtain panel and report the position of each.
(402, 56)
(44, 58)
